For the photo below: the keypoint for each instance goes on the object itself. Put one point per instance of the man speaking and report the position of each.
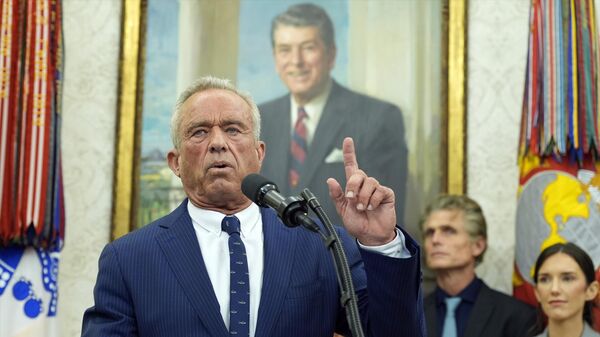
(219, 265)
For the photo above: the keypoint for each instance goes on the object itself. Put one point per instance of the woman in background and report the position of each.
(565, 287)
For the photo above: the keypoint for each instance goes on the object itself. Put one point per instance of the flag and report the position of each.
(559, 201)
(31, 198)
(28, 292)
(559, 180)
(31, 195)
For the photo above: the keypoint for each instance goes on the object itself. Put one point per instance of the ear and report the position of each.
(173, 161)
(592, 291)
(261, 149)
(478, 246)
(332, 52)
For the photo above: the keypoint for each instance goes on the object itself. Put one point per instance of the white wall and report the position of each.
(91, 36)
(496, 60)
(497, 50)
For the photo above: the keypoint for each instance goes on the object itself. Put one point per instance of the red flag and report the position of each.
(559, 186)
(30, 192)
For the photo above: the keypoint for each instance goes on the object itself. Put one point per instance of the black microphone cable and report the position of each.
(332, 241)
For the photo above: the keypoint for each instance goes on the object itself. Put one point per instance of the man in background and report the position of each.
(303, 130)
(462, 305)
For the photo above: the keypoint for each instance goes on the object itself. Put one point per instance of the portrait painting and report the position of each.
(391, 83)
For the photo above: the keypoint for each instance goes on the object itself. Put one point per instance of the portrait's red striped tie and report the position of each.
(298, 147)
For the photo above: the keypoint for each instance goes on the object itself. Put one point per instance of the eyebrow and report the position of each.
(195, 125)
(560, 273)
(294, 44)
(225, 122)
(228, 122)
(444, 226)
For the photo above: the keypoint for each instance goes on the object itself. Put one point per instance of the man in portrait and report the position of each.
(303, 129)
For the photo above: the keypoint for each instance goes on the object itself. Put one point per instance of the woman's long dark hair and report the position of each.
(585, 263)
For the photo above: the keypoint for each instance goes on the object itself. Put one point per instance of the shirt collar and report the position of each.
(210, 221)
(314, 108)
(469, 294)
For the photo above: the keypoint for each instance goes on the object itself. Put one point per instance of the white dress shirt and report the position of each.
(214, 245)
(314, 110)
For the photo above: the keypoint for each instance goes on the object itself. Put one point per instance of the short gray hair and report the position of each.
(306, 15)
(475, 223)
(203, 84)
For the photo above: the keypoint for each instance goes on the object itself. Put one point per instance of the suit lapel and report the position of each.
(326, 135)
(279, 248)
(430, 315)
(180, 246)
(480, 314)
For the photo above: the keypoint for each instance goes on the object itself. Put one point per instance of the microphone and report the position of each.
(291, 210)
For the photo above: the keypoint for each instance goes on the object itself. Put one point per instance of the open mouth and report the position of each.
(219, 165)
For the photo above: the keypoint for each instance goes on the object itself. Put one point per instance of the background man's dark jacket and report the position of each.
(494, 314)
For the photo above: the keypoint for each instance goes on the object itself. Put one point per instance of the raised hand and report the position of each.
(365, 206)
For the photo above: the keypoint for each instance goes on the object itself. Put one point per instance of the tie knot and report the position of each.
(302, 113)
(230, 224)
(451, 304)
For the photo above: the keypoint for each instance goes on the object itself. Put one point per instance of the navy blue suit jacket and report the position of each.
(153, 282)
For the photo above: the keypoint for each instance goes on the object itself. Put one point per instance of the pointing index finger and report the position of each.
(350, 163)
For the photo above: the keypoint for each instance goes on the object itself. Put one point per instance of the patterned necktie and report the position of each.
(239, 300)
(450, 321)
(298, 147)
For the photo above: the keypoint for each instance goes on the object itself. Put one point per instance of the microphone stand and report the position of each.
(344, 277)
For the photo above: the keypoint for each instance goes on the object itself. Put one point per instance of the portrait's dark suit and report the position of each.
(153, 282)
(494, 314)
(377, 128)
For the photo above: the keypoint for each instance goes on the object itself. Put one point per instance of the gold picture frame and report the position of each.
(133, 32)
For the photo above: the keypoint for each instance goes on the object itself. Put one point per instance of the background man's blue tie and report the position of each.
(450, 321)
(239, 300)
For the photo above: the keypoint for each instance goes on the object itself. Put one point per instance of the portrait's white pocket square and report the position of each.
(335, 156)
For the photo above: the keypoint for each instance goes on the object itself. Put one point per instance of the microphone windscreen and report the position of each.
(252, 184)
